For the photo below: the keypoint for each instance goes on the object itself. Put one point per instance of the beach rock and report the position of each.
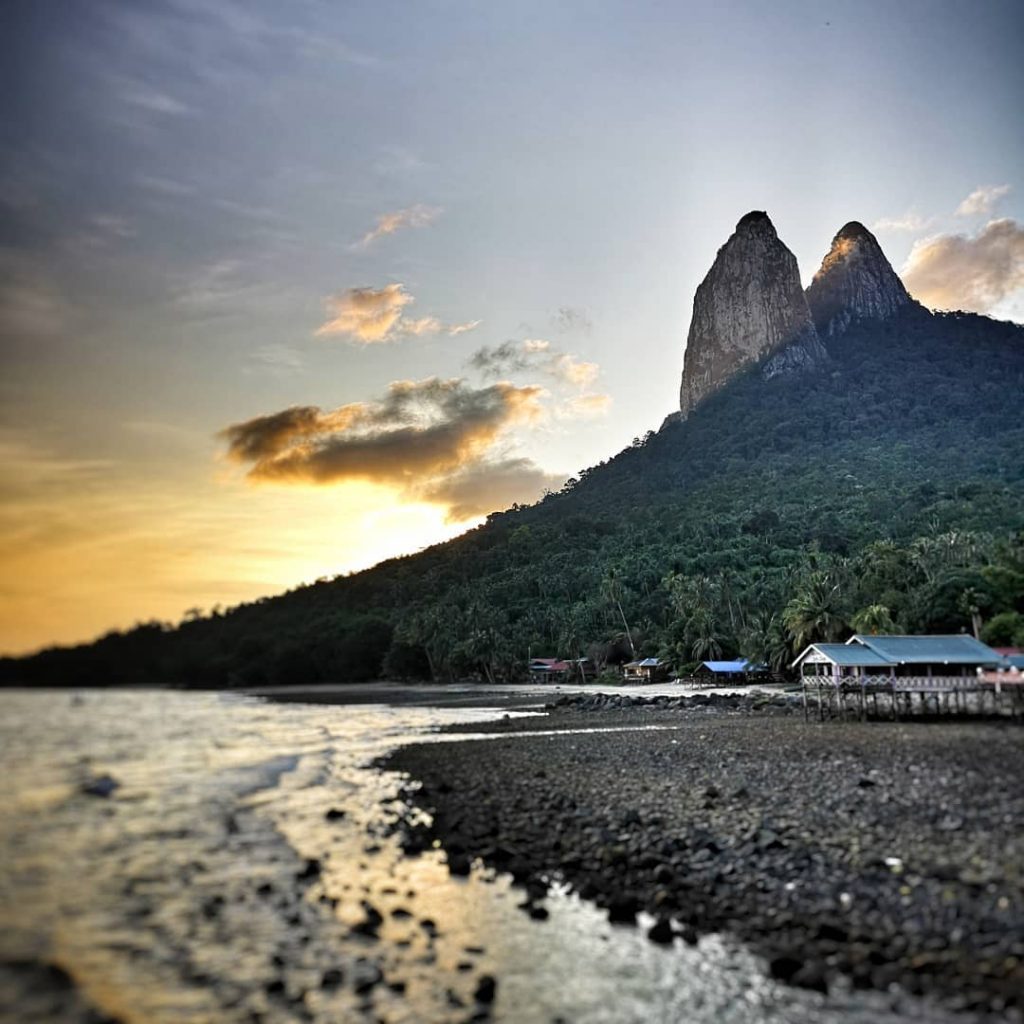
(331, 978)
(622, 910)
(100, 785)
(365, 976)
(310, 871)
(371, 922)
(486, 989)
(785, 967)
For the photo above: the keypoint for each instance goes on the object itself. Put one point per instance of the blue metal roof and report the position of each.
(1015, 660)
(726, 666)
(955, 649)
(851, 654)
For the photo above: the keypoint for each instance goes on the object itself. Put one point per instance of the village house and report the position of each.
(738, 670)
(921, 657)
(952, 673)
(559, 670)
(548, 670)
(649, 670)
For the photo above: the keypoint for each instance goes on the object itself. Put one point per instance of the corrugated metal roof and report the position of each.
(1016, 660)
(726, 666)
(955, 649)
(851, 654)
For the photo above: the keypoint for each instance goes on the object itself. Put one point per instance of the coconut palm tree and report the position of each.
(611, 587)
(874, 619)
(816, 613)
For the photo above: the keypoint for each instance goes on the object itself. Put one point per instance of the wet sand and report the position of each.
(887, 857)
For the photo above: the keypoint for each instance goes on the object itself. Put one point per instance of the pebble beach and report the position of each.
(873, 856)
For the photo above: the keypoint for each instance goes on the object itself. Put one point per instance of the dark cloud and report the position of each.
(498, 360)
(534, 354)
(436, 439)
(568, 318)
(489, 485)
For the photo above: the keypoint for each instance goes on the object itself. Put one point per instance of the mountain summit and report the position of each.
(855, 282)
(749, 308)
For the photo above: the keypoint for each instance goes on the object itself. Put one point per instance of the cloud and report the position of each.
(982, 200)
(31, 306)
(499, 360)
(437, 440)
(486, 486)
(418, 216)
(973, 272)
(590, 405)
(534, 354)
(569, 319)
(156, 102)
(374, 315)
(910, 221)
(424, 325)
(280, 359)
(574, 371)
(366, 314)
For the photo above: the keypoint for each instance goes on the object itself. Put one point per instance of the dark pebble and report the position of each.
(622, 910)
(371, 922)
(486, 988)
(366, 976)
(335, 814)
(100, 785)
(812, 975)
(331, 978)
(662, 932)
(785, 967)
(459, 864)
(310, 871)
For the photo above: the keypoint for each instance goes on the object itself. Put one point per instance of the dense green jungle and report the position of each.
(882, 491)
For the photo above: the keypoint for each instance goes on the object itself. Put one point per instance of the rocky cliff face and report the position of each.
(750, 308)
(855, 282)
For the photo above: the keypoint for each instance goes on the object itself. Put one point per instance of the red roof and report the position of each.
(552, 664)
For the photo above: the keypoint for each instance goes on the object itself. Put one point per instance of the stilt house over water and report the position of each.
(922, 657)
(951, 673)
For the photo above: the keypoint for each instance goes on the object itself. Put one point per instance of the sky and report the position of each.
(286, 289)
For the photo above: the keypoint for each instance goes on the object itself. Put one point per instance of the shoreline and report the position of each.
(883, 856)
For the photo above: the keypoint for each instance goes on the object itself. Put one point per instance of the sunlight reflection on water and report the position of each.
(227, 879)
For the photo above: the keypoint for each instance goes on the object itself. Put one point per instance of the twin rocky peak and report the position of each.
(751, 307)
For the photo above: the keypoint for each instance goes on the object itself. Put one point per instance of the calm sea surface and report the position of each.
(226, 878)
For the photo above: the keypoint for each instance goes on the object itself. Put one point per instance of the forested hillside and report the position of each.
(884, 489)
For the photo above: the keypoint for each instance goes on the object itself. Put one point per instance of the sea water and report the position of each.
(197, 857)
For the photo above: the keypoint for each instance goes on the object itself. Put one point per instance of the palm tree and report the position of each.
(707, 644)
(874, 619)
(765, 642)
(611, 587)
(816, 613)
